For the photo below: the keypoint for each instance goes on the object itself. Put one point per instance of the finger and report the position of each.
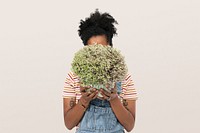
(107, 90)
(93, 90)
(85, 94)
(82, 89)
(93, 95)
(115, 86)
(107, 86)
(105, 93)
(113, 90)
(104, 96)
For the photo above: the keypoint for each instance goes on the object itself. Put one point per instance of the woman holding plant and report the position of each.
(99, 94)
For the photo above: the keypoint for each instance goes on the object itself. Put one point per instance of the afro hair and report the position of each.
(97, 24)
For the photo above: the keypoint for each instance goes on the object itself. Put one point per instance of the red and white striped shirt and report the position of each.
(72, 87)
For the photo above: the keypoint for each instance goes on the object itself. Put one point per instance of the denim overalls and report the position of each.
(99, 118)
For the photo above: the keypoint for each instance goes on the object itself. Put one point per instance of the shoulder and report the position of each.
(128, 88)
(72, 76)
(127, 79)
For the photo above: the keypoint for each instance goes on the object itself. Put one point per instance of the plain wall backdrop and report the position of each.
(159, 39)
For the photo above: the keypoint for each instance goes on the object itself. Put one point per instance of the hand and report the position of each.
(109, 95)
(87, 96)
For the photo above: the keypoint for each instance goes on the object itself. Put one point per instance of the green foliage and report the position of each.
(96, 65)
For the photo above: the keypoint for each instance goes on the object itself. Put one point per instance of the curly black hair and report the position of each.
(97, 24)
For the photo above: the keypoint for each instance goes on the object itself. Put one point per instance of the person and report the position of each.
(84, 110)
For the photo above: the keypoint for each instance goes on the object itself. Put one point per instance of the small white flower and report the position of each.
(97, 65)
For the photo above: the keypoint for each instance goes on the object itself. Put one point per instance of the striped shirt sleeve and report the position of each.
(69, 86)
(128, 89)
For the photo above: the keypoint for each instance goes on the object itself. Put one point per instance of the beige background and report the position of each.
(160, 40)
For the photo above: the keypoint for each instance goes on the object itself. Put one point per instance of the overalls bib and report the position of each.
(99, 118)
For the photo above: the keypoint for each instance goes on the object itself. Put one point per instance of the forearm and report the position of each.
(73, 116)
(123, 115)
